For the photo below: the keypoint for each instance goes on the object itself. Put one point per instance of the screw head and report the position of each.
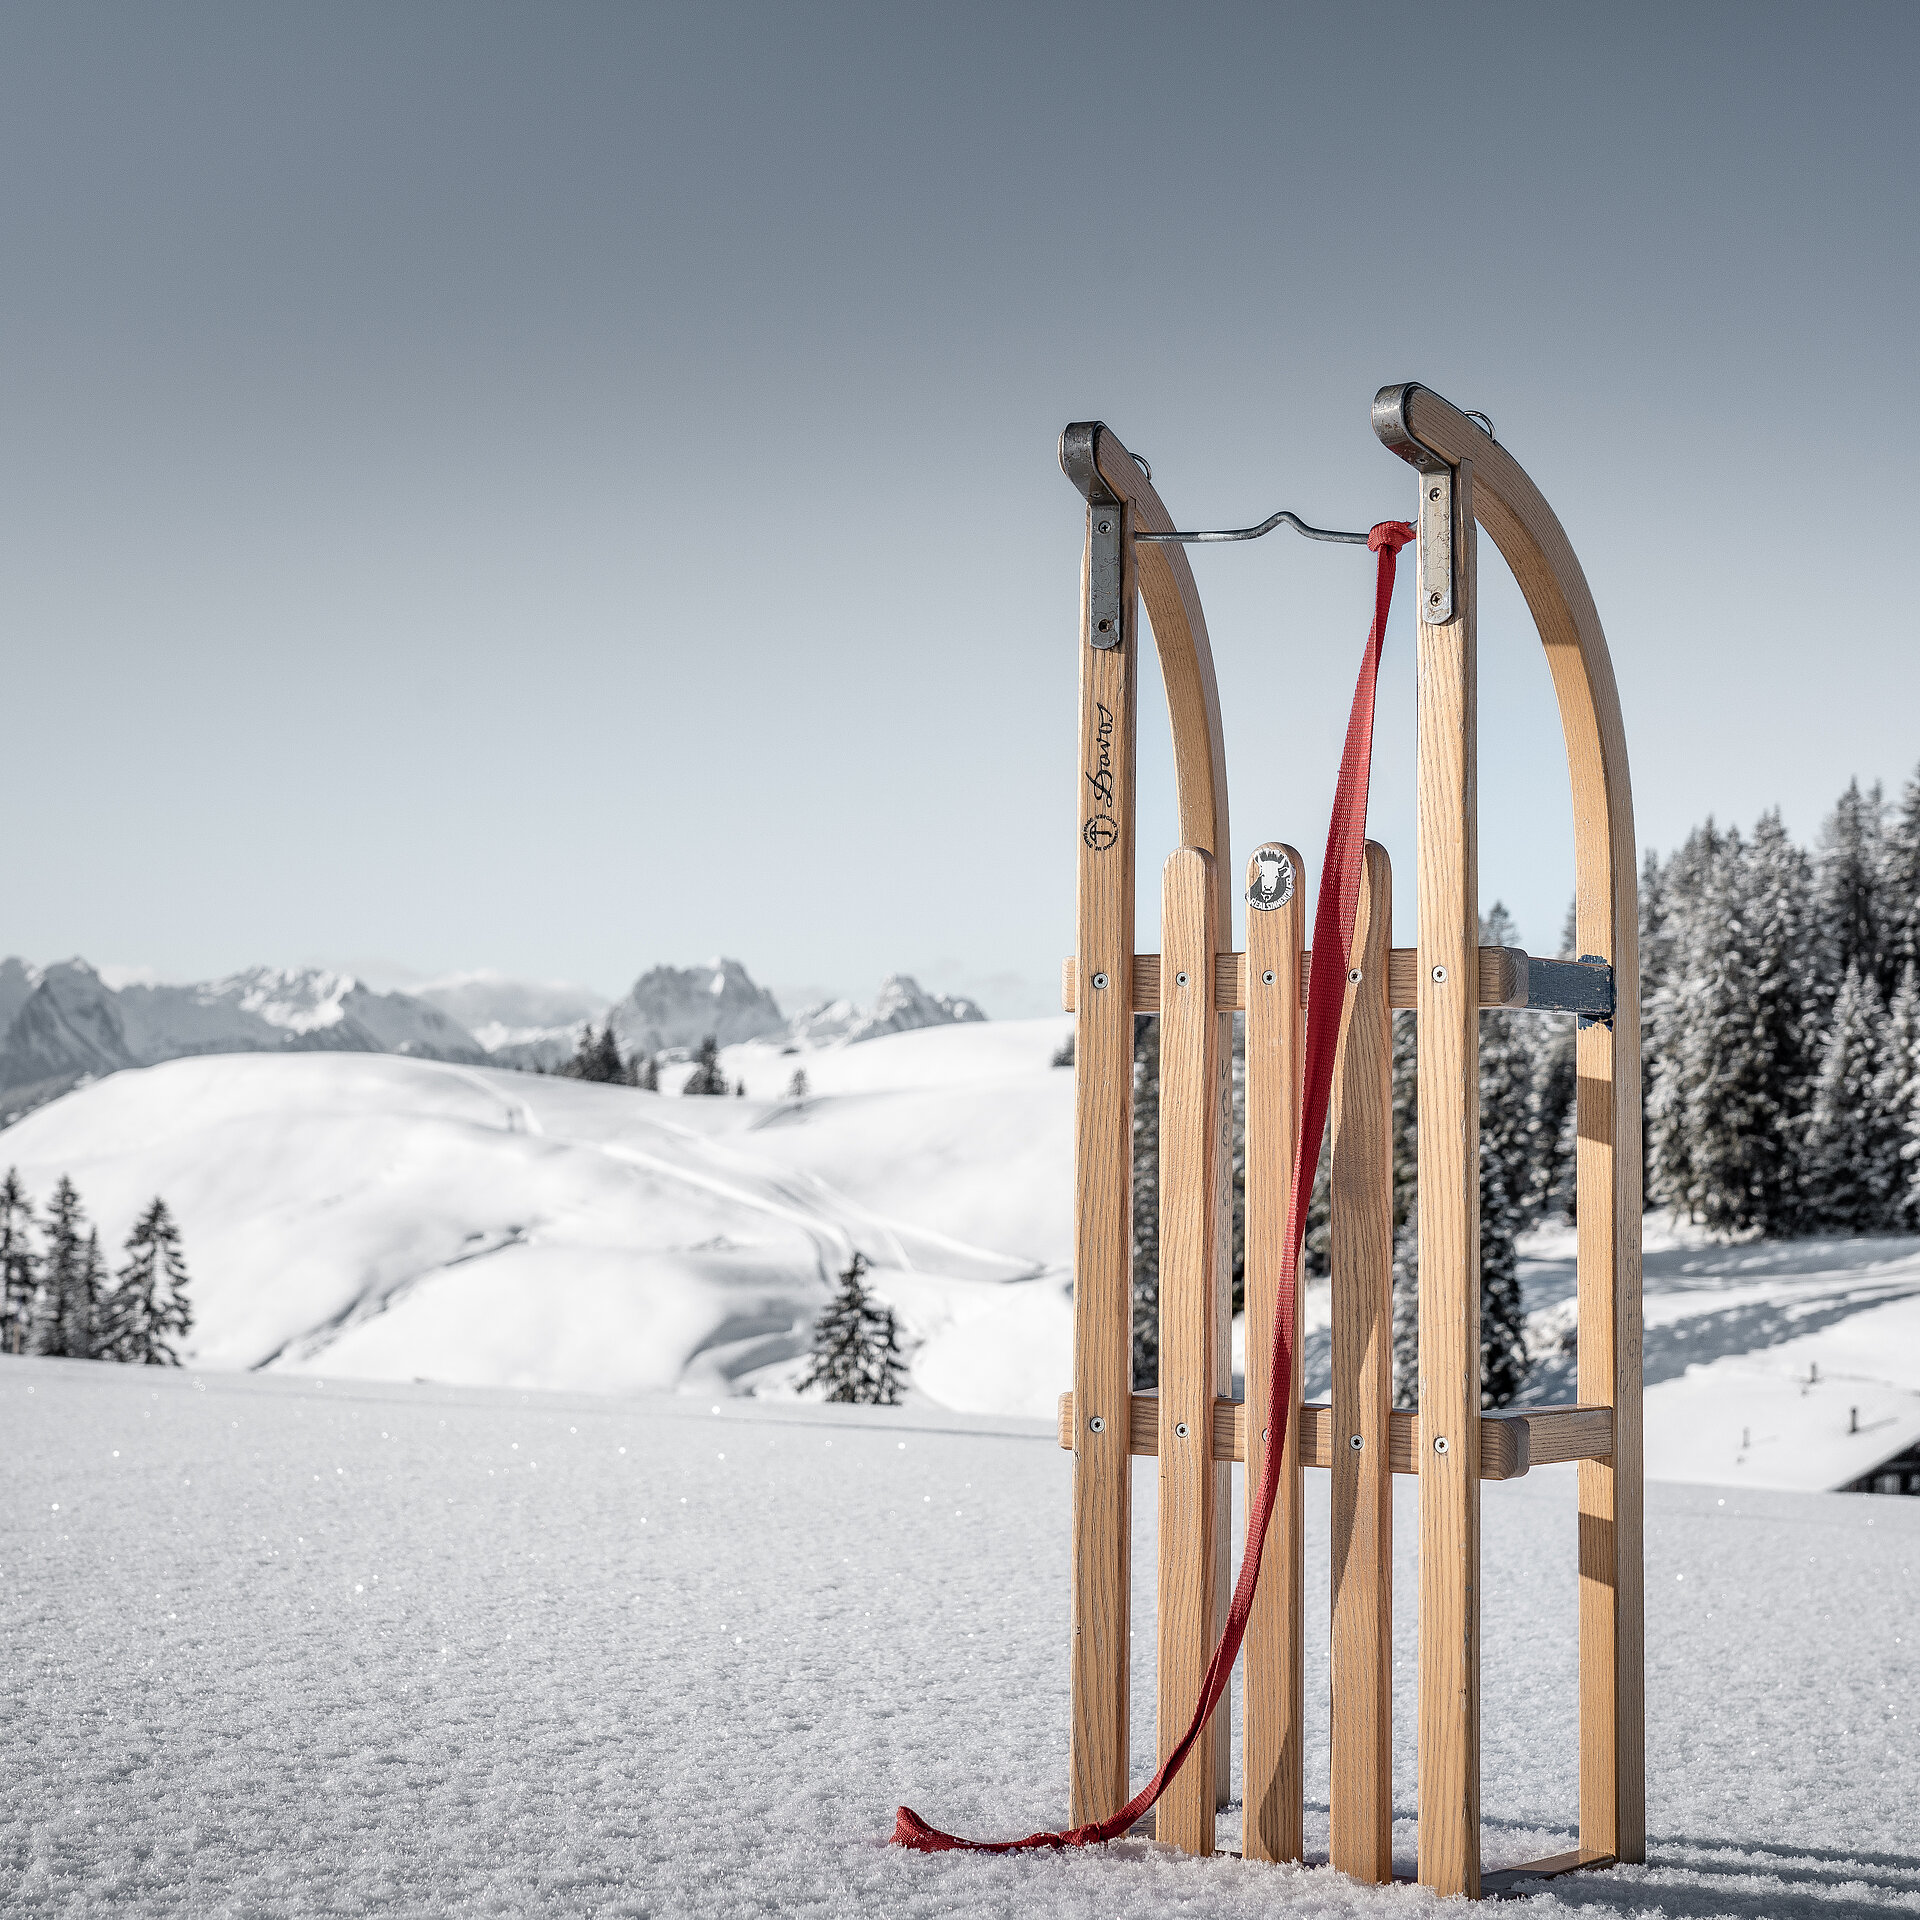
(1439, 1443)
(1103, 526)
(1267, 977)
(1179, 979)
(1433, 599)
(1433, 493)
(1353, 976)
(1180, 1431)
(1103, 626)
(1439, 976)
(1355, 1442)
(1097, 1424)
(1099, 982)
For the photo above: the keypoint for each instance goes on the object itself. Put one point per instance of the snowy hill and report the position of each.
(391, 1217)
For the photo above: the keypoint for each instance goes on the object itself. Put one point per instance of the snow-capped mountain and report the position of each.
(902, 1006)
(671, 1007)
(501, 1012)
(72, 1025)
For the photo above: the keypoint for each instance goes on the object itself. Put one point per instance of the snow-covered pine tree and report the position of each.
(1506, 1183)
(1853, 1139)
(19, 1265)
(1685, 956)
(1848, 913)
(706, 1077)
(856, 1346)
(1900, 1093)
(1146, 1202)
(1555, 1099)
(1900, 884)
(148, 1309)
(646, 1072)
(1777, 915)
(1063, 1054)
(797, 1086)
(64, 1319)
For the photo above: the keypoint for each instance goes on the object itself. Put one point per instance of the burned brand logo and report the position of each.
(1102, 828)
(1272, 884)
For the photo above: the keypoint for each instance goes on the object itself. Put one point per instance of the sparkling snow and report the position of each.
(316, 1646)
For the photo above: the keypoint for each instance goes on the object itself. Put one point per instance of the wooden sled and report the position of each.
(1466, 480)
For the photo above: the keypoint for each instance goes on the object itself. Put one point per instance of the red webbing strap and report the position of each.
(1326, 993)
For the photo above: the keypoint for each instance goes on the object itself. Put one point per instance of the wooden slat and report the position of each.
(1103, 1221)
(1449, 1209)
(1273, 1735)
(1509, 1879)
(1503, 976)
(1361, 1660)
(1510, 1443)
(1190, 1282)
(1535, 546)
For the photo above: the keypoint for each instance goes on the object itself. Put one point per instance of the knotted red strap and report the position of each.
(1332, 934)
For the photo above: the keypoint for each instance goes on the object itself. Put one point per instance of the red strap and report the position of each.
(1332, 934)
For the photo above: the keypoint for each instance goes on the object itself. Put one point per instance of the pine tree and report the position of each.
(1853, 1140)
(1900, 884)
(19, 1265)
(148, 1307)
(1063, 1054)
(706, 1077)
(1777, 917)
(797, 1087)
(1146, 1203)
(1899, 1094)
(646, 1072)
(64, 1321)
(597, 1058)
(1848, 912)
(856, 1346)
(1506, 1184)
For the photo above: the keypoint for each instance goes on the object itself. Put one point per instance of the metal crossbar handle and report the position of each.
(1292, 520)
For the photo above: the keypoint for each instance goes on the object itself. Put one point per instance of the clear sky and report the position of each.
(562, 487)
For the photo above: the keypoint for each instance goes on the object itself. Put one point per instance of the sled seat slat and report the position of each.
(1510, 1443)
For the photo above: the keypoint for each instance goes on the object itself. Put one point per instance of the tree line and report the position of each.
(57, 1297)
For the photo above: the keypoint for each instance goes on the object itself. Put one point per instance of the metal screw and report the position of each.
(1433, 493)
(1180, 1432)
(1104, 626)
(1097, 1424)
(1439, 976)
(1440, 1443)
(1353, 976)
(1263, 1433)
(1433, 599)
(1179, 979)
(1100, 982)
(1104, 526)
(1355, 1442)
(1267, 977)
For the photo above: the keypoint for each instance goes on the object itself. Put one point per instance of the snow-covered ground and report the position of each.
(308, 1645)
(401, 1219)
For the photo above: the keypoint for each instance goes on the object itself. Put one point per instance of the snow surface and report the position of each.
(313, 1646)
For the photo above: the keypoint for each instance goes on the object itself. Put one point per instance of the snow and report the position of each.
(396, 1218)
(296, 1644)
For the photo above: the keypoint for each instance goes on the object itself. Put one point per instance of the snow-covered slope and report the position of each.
(391, 1217)
(319, 1646)
(395, 1218)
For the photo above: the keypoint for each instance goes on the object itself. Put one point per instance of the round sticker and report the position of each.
(1272, 884)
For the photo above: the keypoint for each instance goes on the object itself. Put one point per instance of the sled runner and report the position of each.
(1341, 1054)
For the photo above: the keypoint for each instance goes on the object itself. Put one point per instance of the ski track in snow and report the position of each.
(278, 1644)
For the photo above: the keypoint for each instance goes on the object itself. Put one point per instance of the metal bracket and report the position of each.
(1583, 987)
(1105, 563)
(1436, 547)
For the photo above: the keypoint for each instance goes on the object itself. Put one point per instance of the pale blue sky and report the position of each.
(562, 487)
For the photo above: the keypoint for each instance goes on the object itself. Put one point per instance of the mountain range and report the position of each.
(64, 1024)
